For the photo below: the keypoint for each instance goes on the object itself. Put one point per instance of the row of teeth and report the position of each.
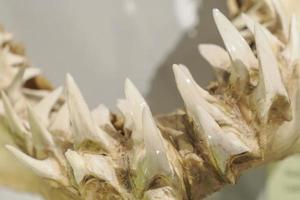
(240, 62)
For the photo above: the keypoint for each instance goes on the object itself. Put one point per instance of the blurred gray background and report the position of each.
(101, 42)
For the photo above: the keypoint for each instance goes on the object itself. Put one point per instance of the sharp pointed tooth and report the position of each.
(14, 91)
(236, 45)
(218, 58)
(193, 95)
(13, 120)
(282, 16)
(276, 43)
(223, 146)
(293, 47)
(48, 168)
(44, 107)
(137, 102)
(42, 139)
(270, 92)
(156, 152)
(95, 165)
(82, 123)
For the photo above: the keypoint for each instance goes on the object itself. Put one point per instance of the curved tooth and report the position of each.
(42, 139)
(31, 72)
(282, 16)
(217, 57)
(251, 24)
(223, 146)
(270, 92)
(13, 120)
(48, 168)
(193, 95)
(137, 102)
(95, 165)
(44, 107)
(156, 152)
(293, 47)
(82, 123)
(14, 91)
(236, 45)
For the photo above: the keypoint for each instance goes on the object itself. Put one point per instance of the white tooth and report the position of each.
(13, 59)
(273, 39)
(95, 165)
(81, 119)
(136, 101)
(217, 57)
(61, 121)
(270, 89)
(223, 146)
(193, 95)
(236, 45)
(101, 116)
(14, 91)
(44, 107)
(31, 72)
(283, 20)
(13, 120)
(156, 152)
(48, 168)
(125, 107)
(42, 139)
(293, 47)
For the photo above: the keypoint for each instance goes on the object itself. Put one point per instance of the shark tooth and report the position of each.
(156, 152)
(95, 165)
(61, 121)
(13, 120)
(42, 139)
(276, 43)
(48, 168)
(218, 58)
(223, 145)
(193, 95)
(237, 47)
(82, 123)
(44, 107)
(101, 116)
(14, 91)
(270, 93)
(293, 47)
(282, 17)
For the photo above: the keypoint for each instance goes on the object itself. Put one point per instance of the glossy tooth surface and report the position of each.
(44, 107)
(48, 168)
(83, 126)
(236, 45)
(223, 146)
(156, 152)
(270, 91)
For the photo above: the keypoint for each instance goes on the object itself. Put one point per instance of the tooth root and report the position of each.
(156, 156)
(13, 120)
(270, 92)
(223, 146)
(193, 95)
(276, 43)
(95, 165)
(293, 47)
(83, 126)
(218, 58)
(14, 91)
(236, 45)
(282, 16)
(48, 168)
(44, 107)
(42, 139)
